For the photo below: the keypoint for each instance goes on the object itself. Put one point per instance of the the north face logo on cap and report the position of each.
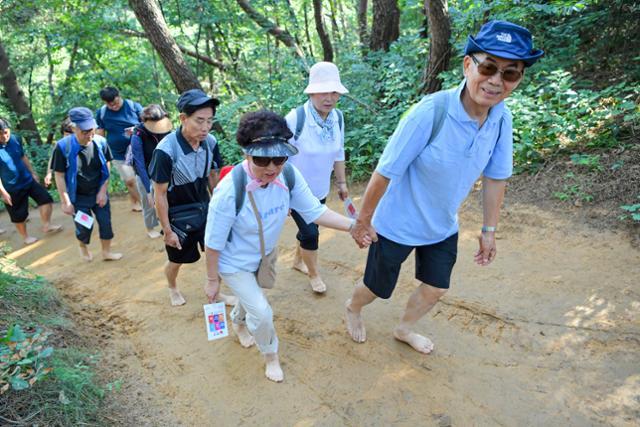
(504, 37)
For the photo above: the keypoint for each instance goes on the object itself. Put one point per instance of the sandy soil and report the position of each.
(547, 335)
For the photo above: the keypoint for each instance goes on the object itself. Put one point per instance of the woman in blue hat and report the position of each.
(439, 149)
(245, 219)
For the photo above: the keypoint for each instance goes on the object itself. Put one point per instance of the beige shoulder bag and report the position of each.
(266, 274)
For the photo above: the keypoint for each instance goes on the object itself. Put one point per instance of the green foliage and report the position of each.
(633, 212)
(23, 358)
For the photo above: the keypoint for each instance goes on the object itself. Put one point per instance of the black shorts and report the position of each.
(20, 201)
(190, 252)
(434, 264)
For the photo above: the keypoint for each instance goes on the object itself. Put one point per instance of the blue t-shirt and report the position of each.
(430, 182)
(115, 122)
(13, 172)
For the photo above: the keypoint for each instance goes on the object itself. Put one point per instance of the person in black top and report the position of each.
(81, 167)
(146, 136)
(183, 170)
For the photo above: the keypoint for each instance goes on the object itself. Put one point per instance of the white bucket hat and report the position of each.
(324, 77)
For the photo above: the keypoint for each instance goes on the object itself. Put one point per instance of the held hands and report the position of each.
(211, 288)
(363, 233)
(487, 251)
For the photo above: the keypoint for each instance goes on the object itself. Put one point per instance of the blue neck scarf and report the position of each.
(326, 135)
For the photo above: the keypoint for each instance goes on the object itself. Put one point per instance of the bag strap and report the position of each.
(300, 117)
(257, 214)
(340, 119)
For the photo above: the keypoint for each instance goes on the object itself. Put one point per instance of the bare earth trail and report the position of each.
(547, 335)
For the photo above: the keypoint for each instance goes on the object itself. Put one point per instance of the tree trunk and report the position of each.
(19, 104)
(150, 17)
(440, 50)
(385, 28)
(362, 23)
(324, 37)
(271, 28)
(306, 29)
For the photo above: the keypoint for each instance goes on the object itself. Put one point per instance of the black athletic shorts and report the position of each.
(434, 264)
(190, 252)
(20, 201)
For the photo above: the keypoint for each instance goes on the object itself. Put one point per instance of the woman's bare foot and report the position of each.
(136, 207)
(176, 297)
(29, 240)
(111, 256)
(228, 300)
(355, 325)
(245, 338)
(299, 265)
(273, 371)
(52, 228)
(85, 254)
(418, 342)
(317, 285)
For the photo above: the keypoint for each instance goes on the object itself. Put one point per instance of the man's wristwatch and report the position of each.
(488, 229)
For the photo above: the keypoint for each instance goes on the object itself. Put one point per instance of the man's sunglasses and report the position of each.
(263, 162)
(488, 68)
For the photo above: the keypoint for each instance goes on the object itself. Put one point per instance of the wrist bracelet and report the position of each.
(486, 229)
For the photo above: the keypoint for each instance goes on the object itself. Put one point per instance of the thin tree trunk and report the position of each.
(334, 22)
(306, 28)
(385, 28)
(15, 95)
(362, 24)
(279, 33)
(150, 17)
(440, 50)
(324, 37)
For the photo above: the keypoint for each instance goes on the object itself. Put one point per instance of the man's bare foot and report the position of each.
(317, 285)
(418, 342)
(136, 207)
(355, 325)
(273, 371)
(176, 297)
(111, 256)
(229, 300)
(52, 229)
(86, 254)
(30, 240)
(153, 234)
(245, 338)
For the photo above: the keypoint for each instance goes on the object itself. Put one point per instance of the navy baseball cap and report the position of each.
(270, 146)
(82, 117)
(504, 40)
(195, 98)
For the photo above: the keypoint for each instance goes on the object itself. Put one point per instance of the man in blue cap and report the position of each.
(18, 183)
(439, 149)
(81, 169)
(183, 170)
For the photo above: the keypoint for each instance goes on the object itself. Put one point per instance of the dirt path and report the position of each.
(547, 335)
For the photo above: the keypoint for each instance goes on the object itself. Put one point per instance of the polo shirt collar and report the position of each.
(456, 109)
(186, 147)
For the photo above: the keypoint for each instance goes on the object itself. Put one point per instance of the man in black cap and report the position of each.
(183, 170)
(81, 169)
(18, 183)
(439, 149)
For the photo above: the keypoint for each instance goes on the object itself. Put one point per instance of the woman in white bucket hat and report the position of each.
(318, 128)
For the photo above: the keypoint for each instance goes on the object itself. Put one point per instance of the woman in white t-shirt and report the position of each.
(319, 137)
(232, 237)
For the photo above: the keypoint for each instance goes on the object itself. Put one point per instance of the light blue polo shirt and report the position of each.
(430, 182)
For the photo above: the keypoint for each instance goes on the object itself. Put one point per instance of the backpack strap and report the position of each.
(340, 119)
(239, 184)
(440, 100)
(300, 117)
(289, 177)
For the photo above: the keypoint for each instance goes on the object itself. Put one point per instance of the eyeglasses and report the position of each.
(263, 162)
(488, 68)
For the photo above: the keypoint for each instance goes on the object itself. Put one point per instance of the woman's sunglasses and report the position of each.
(488, 68)
(263, 162)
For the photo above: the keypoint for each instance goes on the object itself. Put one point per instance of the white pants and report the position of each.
(253, 309)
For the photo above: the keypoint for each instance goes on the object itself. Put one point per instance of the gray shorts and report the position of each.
(126, 172)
